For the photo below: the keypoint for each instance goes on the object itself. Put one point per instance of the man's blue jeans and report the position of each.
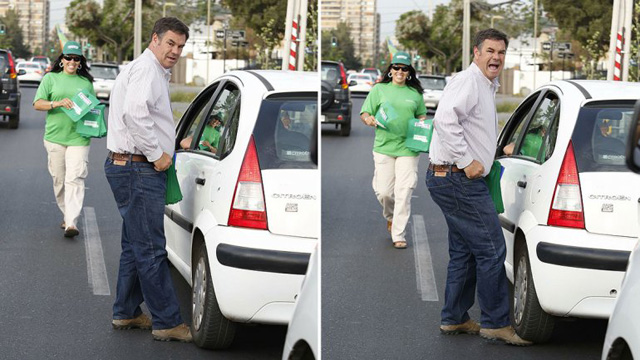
(476, 250)
(144, 275)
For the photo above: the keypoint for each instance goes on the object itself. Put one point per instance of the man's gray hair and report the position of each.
(491, 34)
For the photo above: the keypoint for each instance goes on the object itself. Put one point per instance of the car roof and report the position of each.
(594, 90)
(104, 65)
(280, 81)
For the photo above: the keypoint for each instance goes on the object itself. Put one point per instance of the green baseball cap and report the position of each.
(401, 57)
(72, 48)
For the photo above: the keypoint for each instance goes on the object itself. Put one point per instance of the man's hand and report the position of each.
(474, 170)
(163, 163)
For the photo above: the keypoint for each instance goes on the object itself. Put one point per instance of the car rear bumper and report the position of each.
(256, 274)
(331, 115)
(579, 273)
(12, 102)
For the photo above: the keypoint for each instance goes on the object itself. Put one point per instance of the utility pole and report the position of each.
(295, 35)
(137, 29)
(466, 23)
(620, 40)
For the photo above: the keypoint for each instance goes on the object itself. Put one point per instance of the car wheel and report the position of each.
(531, 322)
(326, 96)
(211, 330)
(14, 121)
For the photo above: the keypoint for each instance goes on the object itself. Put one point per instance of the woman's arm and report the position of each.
(46, 105)
(368, 119)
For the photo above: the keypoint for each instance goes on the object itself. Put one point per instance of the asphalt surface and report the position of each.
(48, 309)
(372, 296)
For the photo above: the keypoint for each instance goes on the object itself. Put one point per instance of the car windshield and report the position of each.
(600, 136)
(359, 77)
(31, 66)
(283, 132)
(373, 73)
(104, 72)
(430, 83)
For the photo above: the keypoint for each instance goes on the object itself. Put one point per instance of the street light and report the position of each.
(164, 8)
(496, 17)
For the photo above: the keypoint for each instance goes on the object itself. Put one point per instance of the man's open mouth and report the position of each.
(494, 67)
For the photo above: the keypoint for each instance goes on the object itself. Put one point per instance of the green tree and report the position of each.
(311, 53)
(343, 50)
(12, 38)
(584, 18)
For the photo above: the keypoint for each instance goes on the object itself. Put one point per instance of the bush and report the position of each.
(507, 107)
(183, 97)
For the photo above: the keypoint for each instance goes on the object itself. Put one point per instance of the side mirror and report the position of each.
(22, 72)
(633, 142)
(353, 83)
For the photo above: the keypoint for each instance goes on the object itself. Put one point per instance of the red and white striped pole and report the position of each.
(293, 53)
(617, 66)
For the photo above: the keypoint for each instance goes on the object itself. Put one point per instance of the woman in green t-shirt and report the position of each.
(399, 94)
(67, 151)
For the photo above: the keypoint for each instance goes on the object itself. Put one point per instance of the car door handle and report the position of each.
(522, 184)
(200, 181)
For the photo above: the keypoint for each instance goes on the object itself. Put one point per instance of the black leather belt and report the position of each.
(127, 157)
(444, 168)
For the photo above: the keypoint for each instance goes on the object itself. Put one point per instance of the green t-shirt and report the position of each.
(210, 134)
(531, 145)
(407, 103)
(59, 128)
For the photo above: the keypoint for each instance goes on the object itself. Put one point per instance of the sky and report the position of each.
(57, 10)
(390, 11)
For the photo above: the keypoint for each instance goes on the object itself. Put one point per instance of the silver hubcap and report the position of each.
(520, 290)
(199, 293)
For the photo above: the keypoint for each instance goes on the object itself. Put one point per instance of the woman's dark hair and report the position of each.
(82, 70)
(169, 24)
(412, 78)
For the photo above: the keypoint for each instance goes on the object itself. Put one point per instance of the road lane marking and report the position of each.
(96, 269)
(424, 265)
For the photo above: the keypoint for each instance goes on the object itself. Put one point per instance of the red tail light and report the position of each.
(566, 205)
(248, 207)
(12, 68)
(343, 78)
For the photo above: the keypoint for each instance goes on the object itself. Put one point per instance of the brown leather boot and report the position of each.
(506, 334)
(468, 327)
(179, 333)
(141, 322)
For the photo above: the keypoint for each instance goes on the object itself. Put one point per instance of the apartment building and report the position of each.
(34, 20)
(364, 22)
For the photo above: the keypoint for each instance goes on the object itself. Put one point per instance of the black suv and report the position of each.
(336, 98)
(9, 89)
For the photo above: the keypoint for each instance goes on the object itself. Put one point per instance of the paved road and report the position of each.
(48, 309)
(383, 303)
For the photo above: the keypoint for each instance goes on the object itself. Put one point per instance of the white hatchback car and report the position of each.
(570, 218)
(104, 76)
(364, 83)
(33, 71)
(433, 86)
(249, 218)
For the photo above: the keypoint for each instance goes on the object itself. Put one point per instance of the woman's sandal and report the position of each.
(400, 244)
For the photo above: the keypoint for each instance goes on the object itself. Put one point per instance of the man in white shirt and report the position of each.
(461, 154)
(141, 141)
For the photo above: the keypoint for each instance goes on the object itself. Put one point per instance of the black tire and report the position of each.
(530, 321)
(345, 129)
(210, 329)
(326, 96)
(14, 121)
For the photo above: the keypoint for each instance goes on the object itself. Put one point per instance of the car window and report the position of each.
(536, 143)
(104, 72)
(283, 132)
(429, 83)
(600, 136)
(515, 125)
(330, 73)
(227, 106)
(197, 116)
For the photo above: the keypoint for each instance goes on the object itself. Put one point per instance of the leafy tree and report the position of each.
(343, 50)
(585, 18)
(12, 39)
(311, 53)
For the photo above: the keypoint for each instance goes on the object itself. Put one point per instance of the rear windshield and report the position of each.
(432, 83)
(104, 72)
(283, 132)
(330, 72)
(4, 62)
(360, 77)
(600, 136)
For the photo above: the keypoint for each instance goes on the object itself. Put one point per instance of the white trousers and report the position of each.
(68, 166)
(394, 179)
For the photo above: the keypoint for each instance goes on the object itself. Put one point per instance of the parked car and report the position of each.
(375, 73)
(622, 341)
(570, 218)
(336, 96)
(249, 218)
(9, 89)
(104, 76)
(364, 83)
(44, 60)
(433, 86)
(33, 72)
(302, 340)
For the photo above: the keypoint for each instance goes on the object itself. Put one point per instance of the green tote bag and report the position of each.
(419, 134)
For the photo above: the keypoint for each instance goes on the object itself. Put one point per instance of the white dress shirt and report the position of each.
(466, 123)
(140, 116)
